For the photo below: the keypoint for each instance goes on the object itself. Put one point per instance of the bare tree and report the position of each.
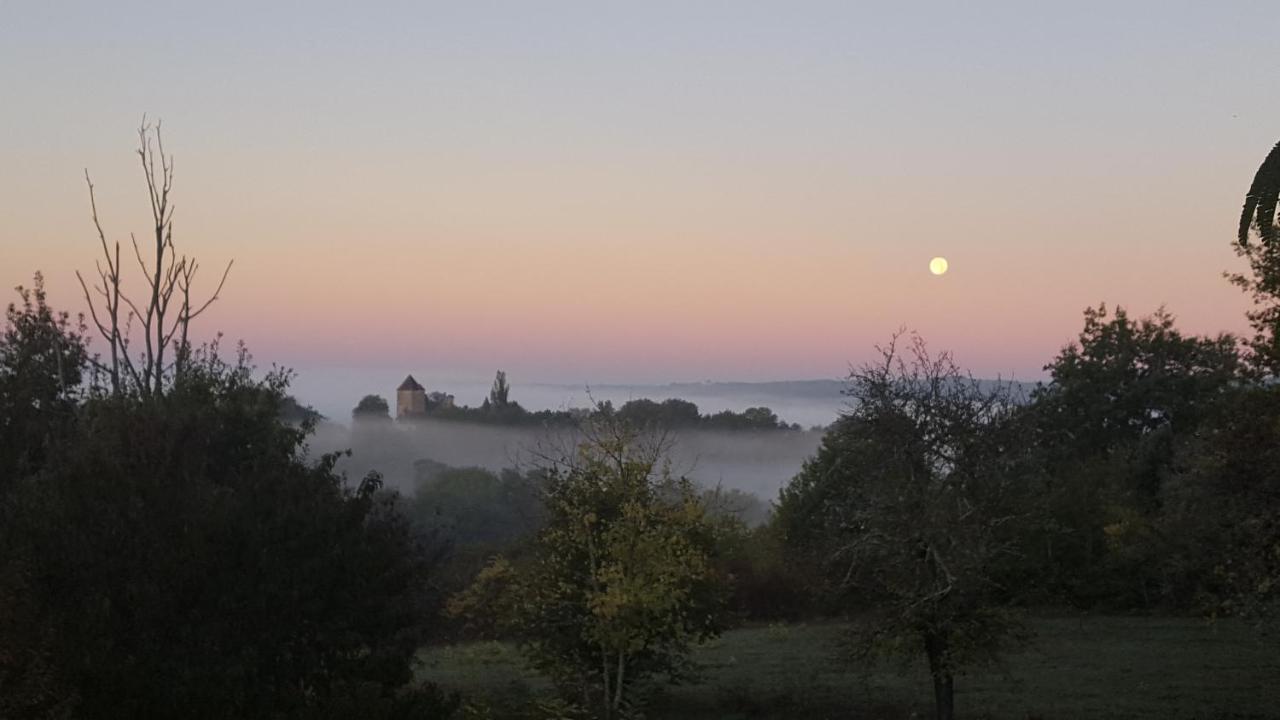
(166, 308)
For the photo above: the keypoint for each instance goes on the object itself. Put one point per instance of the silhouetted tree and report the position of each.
(168, 547)
(668, 414)
(471, 506)
(183, 557)
(43, 364)
(292, 411)
(1121, 400)
(43, 360)
(915, 507)
(1260, 202)
(499, 392)
(166, 308)
(1263, 256)
(1221, 505)
(371, 407)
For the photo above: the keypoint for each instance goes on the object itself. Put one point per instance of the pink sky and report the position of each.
(651, 201)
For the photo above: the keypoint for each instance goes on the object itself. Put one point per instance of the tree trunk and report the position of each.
(617, 697)
(605, 696)
(943, 682)
(944, 696)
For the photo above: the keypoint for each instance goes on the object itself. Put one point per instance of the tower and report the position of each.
(411, 399)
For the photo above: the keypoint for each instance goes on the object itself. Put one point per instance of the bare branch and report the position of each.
(93, 311)
(216, 292)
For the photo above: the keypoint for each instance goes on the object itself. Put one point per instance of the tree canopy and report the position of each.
(621, 580)
(914, 510)
(371, 407)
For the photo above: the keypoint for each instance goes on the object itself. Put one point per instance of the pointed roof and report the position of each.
(410, 384)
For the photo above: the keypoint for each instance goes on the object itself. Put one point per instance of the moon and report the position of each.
(938, 266)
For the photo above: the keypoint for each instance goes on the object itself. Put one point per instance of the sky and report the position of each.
(655, 191)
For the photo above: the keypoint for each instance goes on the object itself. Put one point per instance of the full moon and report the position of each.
(938, 266)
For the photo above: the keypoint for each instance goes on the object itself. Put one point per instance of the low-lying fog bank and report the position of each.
(335, 392)
(755, 462)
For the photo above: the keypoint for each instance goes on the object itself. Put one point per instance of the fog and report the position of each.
(756, 462)
(335, 391)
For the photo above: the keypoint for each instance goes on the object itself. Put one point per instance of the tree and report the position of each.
(499, 392)
(761, 418)
(668, 414)
(1108, 425)
(295, 413)
(1222, 501)
(480, 515)
(371, 407)
(43, 361)
(1260, 202)
(473, 506)
(169, 279)
(1126, 379)
(679, 412)
(621, 581)
(1221, 509)
(186, 559)
(1263, 255)
(914, 508)
(437, 399)
(753, 418)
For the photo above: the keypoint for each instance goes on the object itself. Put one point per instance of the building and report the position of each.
(411, 399)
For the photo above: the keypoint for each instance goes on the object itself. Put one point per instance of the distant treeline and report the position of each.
(497, 409)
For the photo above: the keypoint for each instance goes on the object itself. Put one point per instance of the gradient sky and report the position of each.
(650, 191)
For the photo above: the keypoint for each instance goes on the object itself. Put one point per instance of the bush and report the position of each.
(182, 558)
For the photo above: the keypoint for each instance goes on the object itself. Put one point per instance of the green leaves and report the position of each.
(621, 580)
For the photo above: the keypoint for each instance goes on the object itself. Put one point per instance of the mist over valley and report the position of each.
(758, 462)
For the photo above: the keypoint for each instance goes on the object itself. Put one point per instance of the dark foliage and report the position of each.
(1263, 281)
(479, 514)
(1260, 202)
(371, 407)
(671, 414)
(476, 507)
(176, 556)
(500, 392)
(915, 512)
(295, 413)
(43, 361)
(677, 414)
(766, 585)
(1222, 510)
(1122, 400)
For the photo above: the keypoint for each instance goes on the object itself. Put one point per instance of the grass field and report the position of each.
(1094, 667)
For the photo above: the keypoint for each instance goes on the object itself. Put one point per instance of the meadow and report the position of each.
(1076, 667)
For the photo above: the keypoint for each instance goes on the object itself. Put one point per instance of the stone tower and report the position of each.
(411, 399)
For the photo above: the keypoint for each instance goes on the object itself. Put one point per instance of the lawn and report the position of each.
(1077, 667)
